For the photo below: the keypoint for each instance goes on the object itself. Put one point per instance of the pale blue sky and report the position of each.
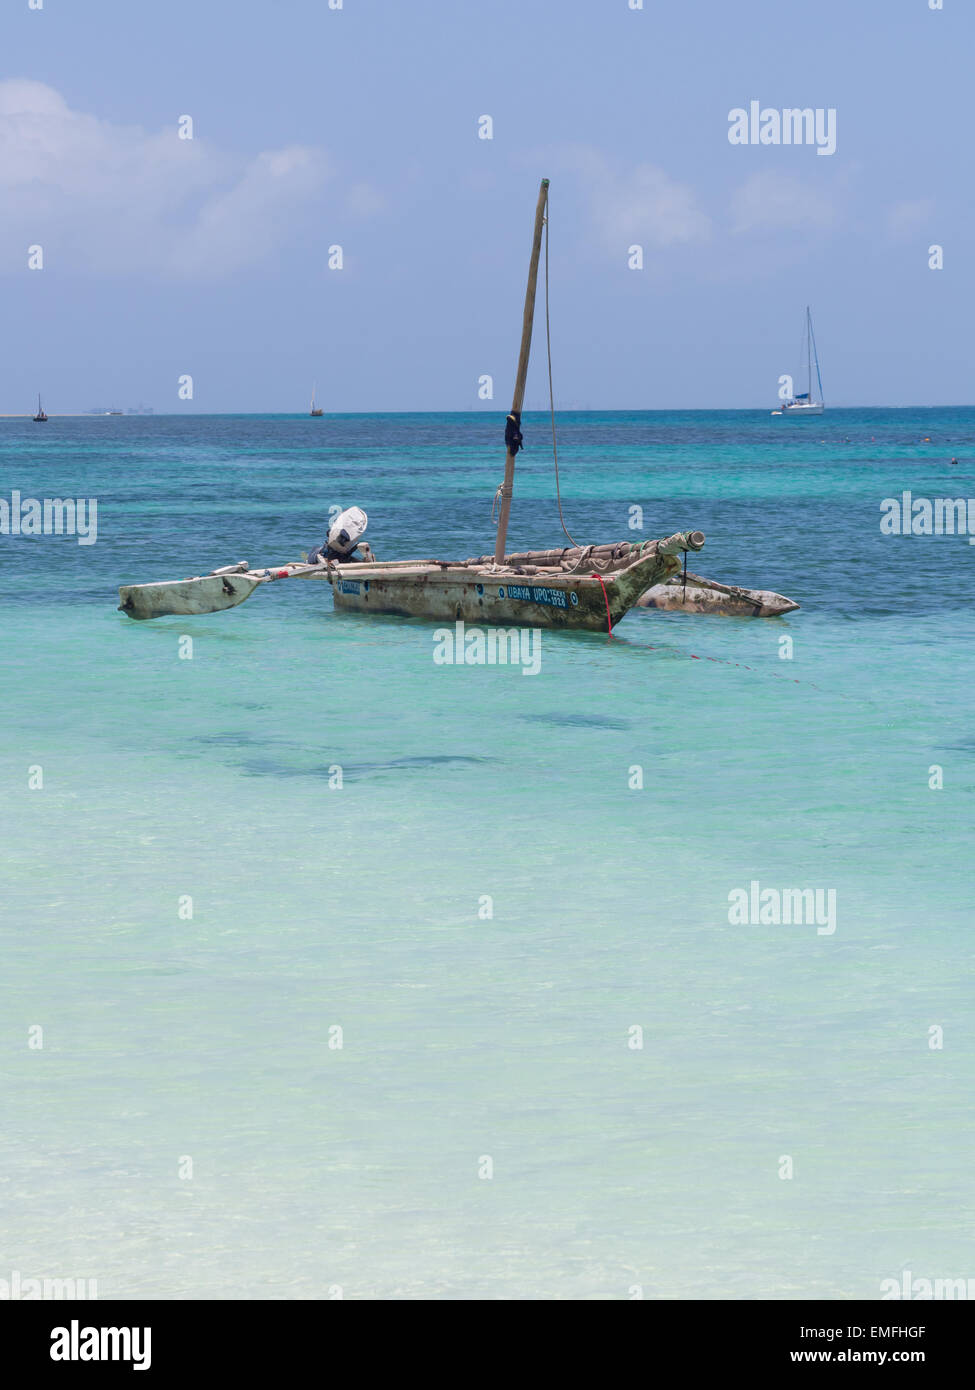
(358, 127)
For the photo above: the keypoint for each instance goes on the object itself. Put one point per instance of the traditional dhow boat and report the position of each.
(590, 587)
(587, 587)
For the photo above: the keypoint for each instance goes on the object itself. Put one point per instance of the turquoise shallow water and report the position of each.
(316, 1167)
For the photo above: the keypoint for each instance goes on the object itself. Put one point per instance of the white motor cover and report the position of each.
(347, 530)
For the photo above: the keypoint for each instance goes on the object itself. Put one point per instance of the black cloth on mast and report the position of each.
(512, 432)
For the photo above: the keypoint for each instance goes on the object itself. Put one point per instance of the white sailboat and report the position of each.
(804, 402)
(316, 410)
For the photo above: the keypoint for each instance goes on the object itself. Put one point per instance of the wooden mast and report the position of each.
(519, 396)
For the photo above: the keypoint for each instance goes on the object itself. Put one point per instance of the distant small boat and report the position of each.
(40, 417)
(803, 402)
(316, 410)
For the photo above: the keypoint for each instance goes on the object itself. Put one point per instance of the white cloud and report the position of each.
(644, 206)
(770, 202)
(117, 199)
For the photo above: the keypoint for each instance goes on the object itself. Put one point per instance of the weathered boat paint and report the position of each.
(528, 595)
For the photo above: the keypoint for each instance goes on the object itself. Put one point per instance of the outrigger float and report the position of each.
(577, 587)
(692, 594)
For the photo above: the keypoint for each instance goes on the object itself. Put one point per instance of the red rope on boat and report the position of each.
(609, 621)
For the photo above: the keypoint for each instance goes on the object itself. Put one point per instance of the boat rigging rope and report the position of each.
(551, 392)
(609, 621)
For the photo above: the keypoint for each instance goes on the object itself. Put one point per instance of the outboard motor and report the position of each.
(343, 538)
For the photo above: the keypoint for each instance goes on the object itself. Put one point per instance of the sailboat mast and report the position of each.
(819, 375)
(808, 354)
(504, 510)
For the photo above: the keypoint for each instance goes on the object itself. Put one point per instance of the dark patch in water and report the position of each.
(268, 767)
(585, 721)
(243, 739)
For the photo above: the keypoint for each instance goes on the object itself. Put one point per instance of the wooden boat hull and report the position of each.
(480, 593)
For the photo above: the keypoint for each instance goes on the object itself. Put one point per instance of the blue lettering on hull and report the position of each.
(556, 598)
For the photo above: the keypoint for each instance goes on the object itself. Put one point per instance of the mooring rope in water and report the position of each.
(551, 392)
